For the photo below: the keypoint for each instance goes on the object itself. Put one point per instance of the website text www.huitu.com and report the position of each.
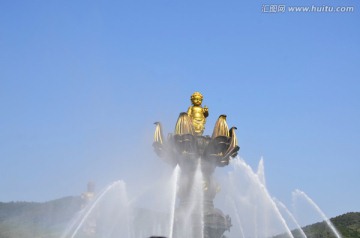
(279, 8)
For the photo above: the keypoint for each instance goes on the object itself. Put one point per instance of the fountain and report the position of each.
(187, 198)
(197, 156)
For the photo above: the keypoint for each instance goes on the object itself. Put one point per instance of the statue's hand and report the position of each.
(206, 111)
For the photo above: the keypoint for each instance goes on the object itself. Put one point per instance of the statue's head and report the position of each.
(196, 98)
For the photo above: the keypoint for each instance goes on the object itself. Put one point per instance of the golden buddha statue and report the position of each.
(197, 113)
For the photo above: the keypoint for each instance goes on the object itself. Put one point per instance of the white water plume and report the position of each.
(247, 201)
(257, 210)
(299, 193)
(293, 219)
(191, 215)
(261, 172)
(174, 181)
(90, 208)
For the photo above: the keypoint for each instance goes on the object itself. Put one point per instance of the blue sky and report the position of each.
(81, 84)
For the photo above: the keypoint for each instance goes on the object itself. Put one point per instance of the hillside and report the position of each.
(37, 220)
(347, 224)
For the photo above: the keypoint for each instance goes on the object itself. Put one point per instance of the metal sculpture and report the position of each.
(189, 149)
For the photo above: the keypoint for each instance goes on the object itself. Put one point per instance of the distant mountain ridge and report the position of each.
(40, 220)
(347, 224)
(49, 220)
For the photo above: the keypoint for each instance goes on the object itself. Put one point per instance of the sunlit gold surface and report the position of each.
(233, 143)
(184, 125)
(197, 113)
(158, 136)
(221, 128)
